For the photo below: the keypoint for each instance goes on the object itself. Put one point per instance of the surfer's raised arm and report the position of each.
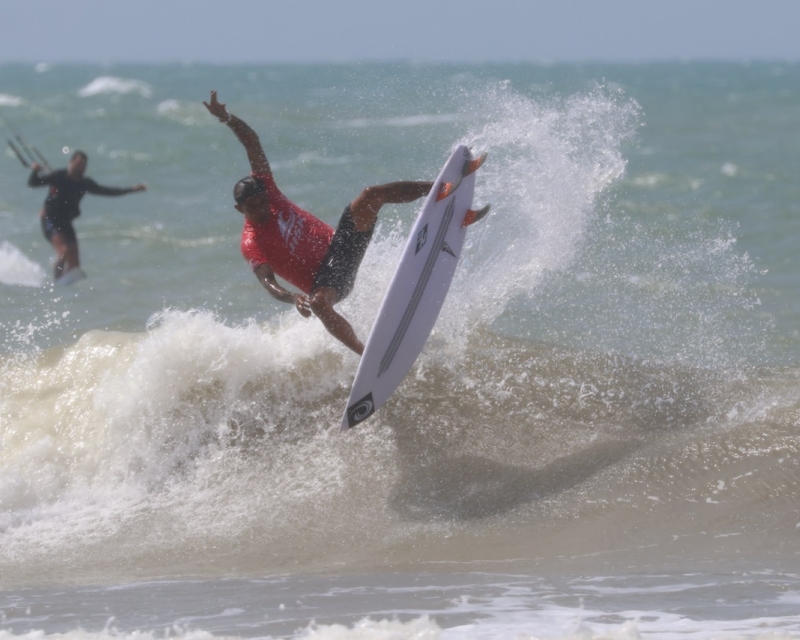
(243, 131)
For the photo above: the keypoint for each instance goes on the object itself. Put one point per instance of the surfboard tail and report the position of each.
(471, 166)
(446, 189)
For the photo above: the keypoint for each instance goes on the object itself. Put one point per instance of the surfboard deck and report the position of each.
(418, 287)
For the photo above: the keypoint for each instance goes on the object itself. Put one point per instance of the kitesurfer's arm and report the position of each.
(99, 190)
(266, 276)
(36, 179)
(243, 131)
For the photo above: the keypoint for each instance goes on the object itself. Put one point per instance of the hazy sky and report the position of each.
(231, 31)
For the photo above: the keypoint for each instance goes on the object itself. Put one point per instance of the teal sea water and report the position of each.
(600, 440)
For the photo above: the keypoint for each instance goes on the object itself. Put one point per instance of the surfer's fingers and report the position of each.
(303, 305)
(214, 105)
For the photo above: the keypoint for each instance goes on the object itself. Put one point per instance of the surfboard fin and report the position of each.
(446, 189)
(473, 216)
(471, 166)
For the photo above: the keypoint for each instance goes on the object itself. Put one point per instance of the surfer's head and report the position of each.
(251, 198)
(77, 164)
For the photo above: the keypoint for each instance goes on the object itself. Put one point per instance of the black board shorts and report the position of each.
(63, 227)
(345, 253)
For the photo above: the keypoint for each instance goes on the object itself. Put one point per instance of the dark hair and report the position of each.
(80, 153)
(246, 188)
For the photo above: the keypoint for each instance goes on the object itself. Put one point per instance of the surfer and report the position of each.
(280, 238)
(67, 187)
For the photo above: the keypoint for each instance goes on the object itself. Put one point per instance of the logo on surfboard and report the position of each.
(360, 410)
(422, 238)
(446, 248)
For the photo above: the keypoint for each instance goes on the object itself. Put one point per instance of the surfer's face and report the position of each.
(256, 207)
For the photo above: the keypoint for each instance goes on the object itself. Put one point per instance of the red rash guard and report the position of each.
(292, 242)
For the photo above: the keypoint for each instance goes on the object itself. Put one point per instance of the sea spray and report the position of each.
(681, 294)
(550, 163)
(17, 269)
(561, 258)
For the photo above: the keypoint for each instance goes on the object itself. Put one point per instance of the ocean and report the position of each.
(600, 440)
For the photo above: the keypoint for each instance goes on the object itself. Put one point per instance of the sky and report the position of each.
(263, 31)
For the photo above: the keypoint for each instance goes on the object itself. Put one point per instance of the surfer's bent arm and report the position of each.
(243, 131)
(266, 276)
(36, 179)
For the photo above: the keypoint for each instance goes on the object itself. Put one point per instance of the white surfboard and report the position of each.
(418, 288)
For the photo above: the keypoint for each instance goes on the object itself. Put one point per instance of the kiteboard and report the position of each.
(418, 288)
(70, 277)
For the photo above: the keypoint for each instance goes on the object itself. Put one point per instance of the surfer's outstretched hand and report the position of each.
(302, 305)
(215, 107)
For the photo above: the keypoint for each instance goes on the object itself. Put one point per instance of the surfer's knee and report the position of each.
(370, 195)
(60, 244)
(321, 301)
(319, 306)
(364, 208)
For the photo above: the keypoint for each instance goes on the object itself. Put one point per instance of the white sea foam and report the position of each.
(7, 100)
(729, 169)
(17, 269)
(168, 106)
(112, 85)
(518, 621)
(185, 113)
(402, 121)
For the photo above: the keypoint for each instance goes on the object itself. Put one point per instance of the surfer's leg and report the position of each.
(366, 205)
(68, 254)
(343, 258)
(62, 247)
(72, 257)
(322, 301)
(61, 235)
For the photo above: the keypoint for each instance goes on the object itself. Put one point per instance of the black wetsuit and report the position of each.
(61, 206)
